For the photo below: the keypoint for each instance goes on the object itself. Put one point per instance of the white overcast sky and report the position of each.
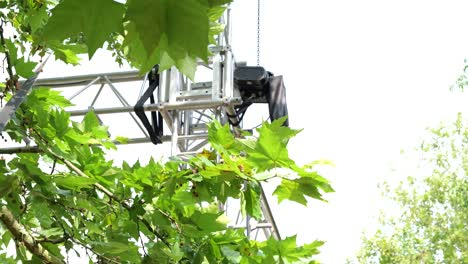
(363, 77)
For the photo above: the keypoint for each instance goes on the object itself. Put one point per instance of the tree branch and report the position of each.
(21, 235)
(15, 150)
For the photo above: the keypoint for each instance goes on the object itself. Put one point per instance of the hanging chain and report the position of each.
(258, 32)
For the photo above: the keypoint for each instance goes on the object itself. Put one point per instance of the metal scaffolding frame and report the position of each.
(186, 107)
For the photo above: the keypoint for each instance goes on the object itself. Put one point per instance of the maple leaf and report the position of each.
(95, 19)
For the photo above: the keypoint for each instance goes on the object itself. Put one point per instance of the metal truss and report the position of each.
(186, 107)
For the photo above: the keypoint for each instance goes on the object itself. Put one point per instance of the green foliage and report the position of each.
(142, 32)
(95, 19)
(69, 197)
(70, 193)
(431, 227)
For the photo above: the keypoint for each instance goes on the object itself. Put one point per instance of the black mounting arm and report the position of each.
(155, 128)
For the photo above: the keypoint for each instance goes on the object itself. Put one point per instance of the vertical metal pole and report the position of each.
(187, 119)
(221, 35)
(164, 84)
(175, 132)
(247, 226)
(175, 84)
(216, 84)
(229, 60)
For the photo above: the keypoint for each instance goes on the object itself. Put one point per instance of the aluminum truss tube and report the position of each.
(176, 84)
(228, 27)
(228, 72)
(269, 215)
(175, 132)
(84, 88)
(186, 105)
(164, 82)
(187, 113)
(70, 81)
(125, 103)
(198, 146)
(142, 88)
(97, 95)
(216, 84)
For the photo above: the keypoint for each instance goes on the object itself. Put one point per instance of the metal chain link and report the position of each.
(258, 32)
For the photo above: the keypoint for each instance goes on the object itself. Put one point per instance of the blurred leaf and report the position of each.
(24, 68)
(74, 182)
(95, 19)
(121, 140)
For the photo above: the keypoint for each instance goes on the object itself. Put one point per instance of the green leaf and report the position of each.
(78, 137)
(218, 2)
(220, 137)
(121, 140)
(24, 68)
(60, 119)
(169, 33)
(250, 200)
(86, 204)
(51, 97)
(147, 18)
(90, 121)
(74, 182)
(57, 231)
(6, 181)
(296, 190)
(314, 177)
(112, 247)
(36, 18)
(271, 148)
(95, 19)
(231, 255)
(208, 222)
(187, 27)
(289, 251)
(12, 50)
(67, 56)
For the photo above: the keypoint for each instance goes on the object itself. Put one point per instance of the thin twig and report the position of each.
(171, 219)
(86, 247)
(141, 239)
(53, 167)
(7, 55)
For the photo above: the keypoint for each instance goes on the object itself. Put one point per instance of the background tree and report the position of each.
(430, 225)
(64, 195)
